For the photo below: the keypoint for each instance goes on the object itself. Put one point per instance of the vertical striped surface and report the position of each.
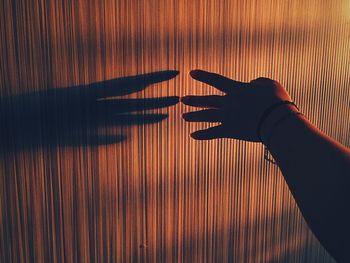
(159, 196)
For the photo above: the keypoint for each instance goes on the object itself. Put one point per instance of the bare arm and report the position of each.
(317, 171)
(315, 167)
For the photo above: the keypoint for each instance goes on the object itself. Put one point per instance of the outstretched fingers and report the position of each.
(210, 133)
(212, 101)
(127, 85)
(220, 82)
(130, 105)
(203, 115)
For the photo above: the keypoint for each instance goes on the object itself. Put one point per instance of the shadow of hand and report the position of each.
(72, 115)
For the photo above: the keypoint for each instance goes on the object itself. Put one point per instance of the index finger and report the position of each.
(220, 82)
(127, 85)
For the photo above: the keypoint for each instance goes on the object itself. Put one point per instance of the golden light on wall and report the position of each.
(346, 9)
(154, 194)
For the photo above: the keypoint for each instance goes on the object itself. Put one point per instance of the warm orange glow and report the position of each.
(346, 8)
(159, 196)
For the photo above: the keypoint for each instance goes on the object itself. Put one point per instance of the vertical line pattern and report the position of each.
(159, 196)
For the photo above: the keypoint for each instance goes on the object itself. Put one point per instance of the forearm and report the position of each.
(317, 171)
(316, 168)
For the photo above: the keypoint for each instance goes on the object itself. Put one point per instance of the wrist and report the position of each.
(276, 118)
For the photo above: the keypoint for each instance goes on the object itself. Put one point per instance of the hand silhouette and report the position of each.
(72, 115)
(238, 111)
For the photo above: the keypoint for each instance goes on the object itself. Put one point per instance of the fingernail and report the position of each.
(194, 135)
(194, 72)
(176, 98)
(197, 73)
(184, 99)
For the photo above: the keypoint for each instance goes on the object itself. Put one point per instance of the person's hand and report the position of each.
(238, 111)
(79, 115)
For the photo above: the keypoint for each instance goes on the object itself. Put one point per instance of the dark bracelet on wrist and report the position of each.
(268, 111)
(278, 122)
(268, 138)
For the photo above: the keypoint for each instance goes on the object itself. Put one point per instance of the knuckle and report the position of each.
(263, 80)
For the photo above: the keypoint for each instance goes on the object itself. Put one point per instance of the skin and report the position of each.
(315, 167)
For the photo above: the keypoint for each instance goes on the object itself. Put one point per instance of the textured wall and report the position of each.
(68, 193)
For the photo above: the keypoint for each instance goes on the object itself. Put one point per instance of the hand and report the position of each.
(73, 115)
(238, 111)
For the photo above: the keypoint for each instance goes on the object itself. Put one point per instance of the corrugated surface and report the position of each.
(157, 195)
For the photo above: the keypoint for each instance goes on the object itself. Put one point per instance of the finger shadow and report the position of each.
(74, 116)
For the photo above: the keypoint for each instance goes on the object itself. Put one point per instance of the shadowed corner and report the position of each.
(71, 116)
